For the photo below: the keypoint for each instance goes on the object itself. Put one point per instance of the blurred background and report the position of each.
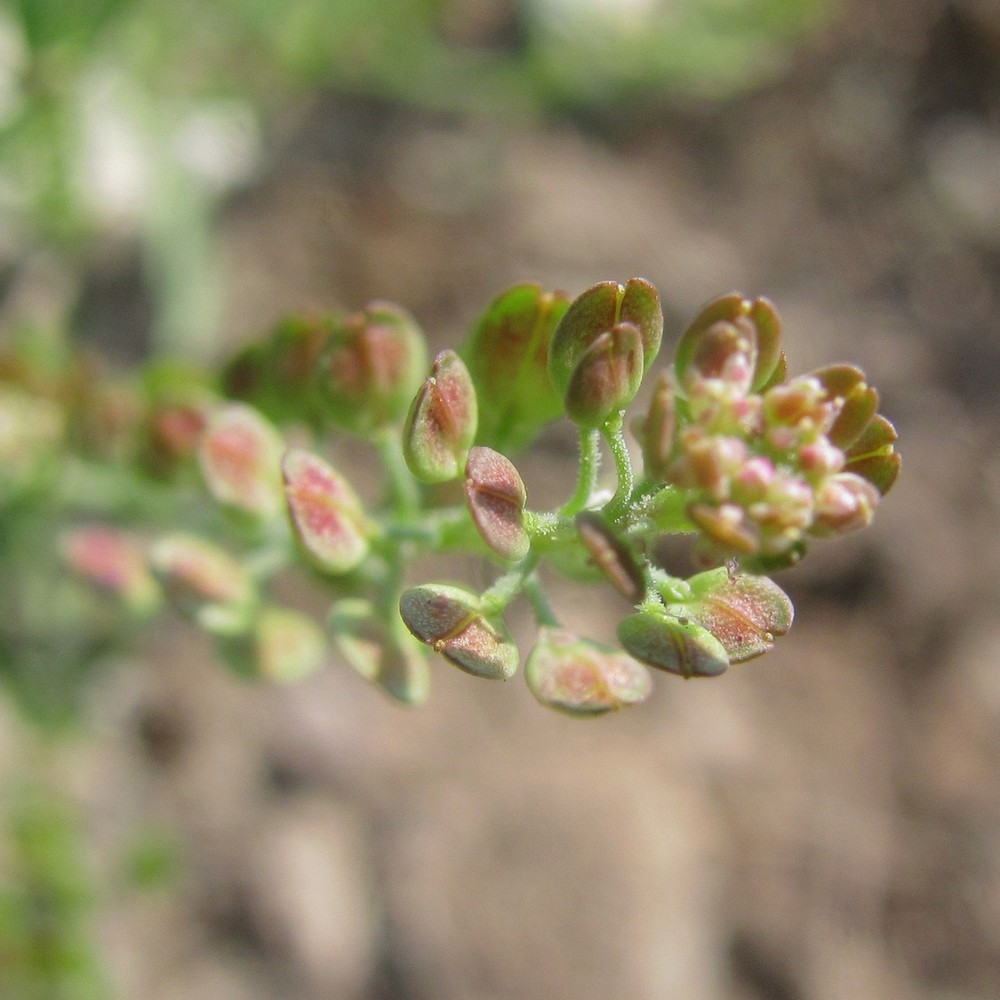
(822, 824)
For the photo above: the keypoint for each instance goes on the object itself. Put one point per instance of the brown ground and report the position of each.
(823, 824)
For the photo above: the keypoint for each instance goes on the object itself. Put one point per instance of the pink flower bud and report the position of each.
(727, 525)
(845, 503)
(820, 458)
(725, 351)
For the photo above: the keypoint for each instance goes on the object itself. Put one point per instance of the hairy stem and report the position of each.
(508, 586)
(615, 436)
(544, 615)
(590, 460)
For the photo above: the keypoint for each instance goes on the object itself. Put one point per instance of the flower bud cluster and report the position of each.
(765, 463)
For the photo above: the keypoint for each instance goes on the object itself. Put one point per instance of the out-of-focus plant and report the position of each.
(596, 51)
(199, 493)
(48, 900)
(129, 119)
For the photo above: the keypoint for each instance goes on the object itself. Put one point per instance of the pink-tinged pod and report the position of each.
(611, 555)
(656, 432)
(326, 513)
(371, 367)
(205, 583)
(496, 497)
(441, 424)
(598, 310)
(607, 376)
(581, 677)
(448, 619)
(744, 612)
(114, 561)
(240, 458)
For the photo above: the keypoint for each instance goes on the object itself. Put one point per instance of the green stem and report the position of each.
(590, 460)
(544, 615)
(507, 587)
(403, 491)
(615, 436)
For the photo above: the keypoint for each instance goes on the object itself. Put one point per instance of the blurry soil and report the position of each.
(823, 824)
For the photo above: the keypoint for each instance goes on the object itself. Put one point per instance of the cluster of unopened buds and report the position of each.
(749, 463)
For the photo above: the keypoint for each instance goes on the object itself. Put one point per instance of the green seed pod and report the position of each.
(441, 424)
(507, 355)
(606, 377)
(448, 619)
(496, 497)
(371, 368)
(859, 410)
(205, 583)
(382, 652)
(288, 644)
(598, 310)
(278, 376)
(672, 643)
(873, 456)
(580, 677)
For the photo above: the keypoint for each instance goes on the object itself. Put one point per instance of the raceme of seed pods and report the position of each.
(750, 463)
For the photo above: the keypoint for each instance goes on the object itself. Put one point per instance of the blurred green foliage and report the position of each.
(47, 901)
(103, 102)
